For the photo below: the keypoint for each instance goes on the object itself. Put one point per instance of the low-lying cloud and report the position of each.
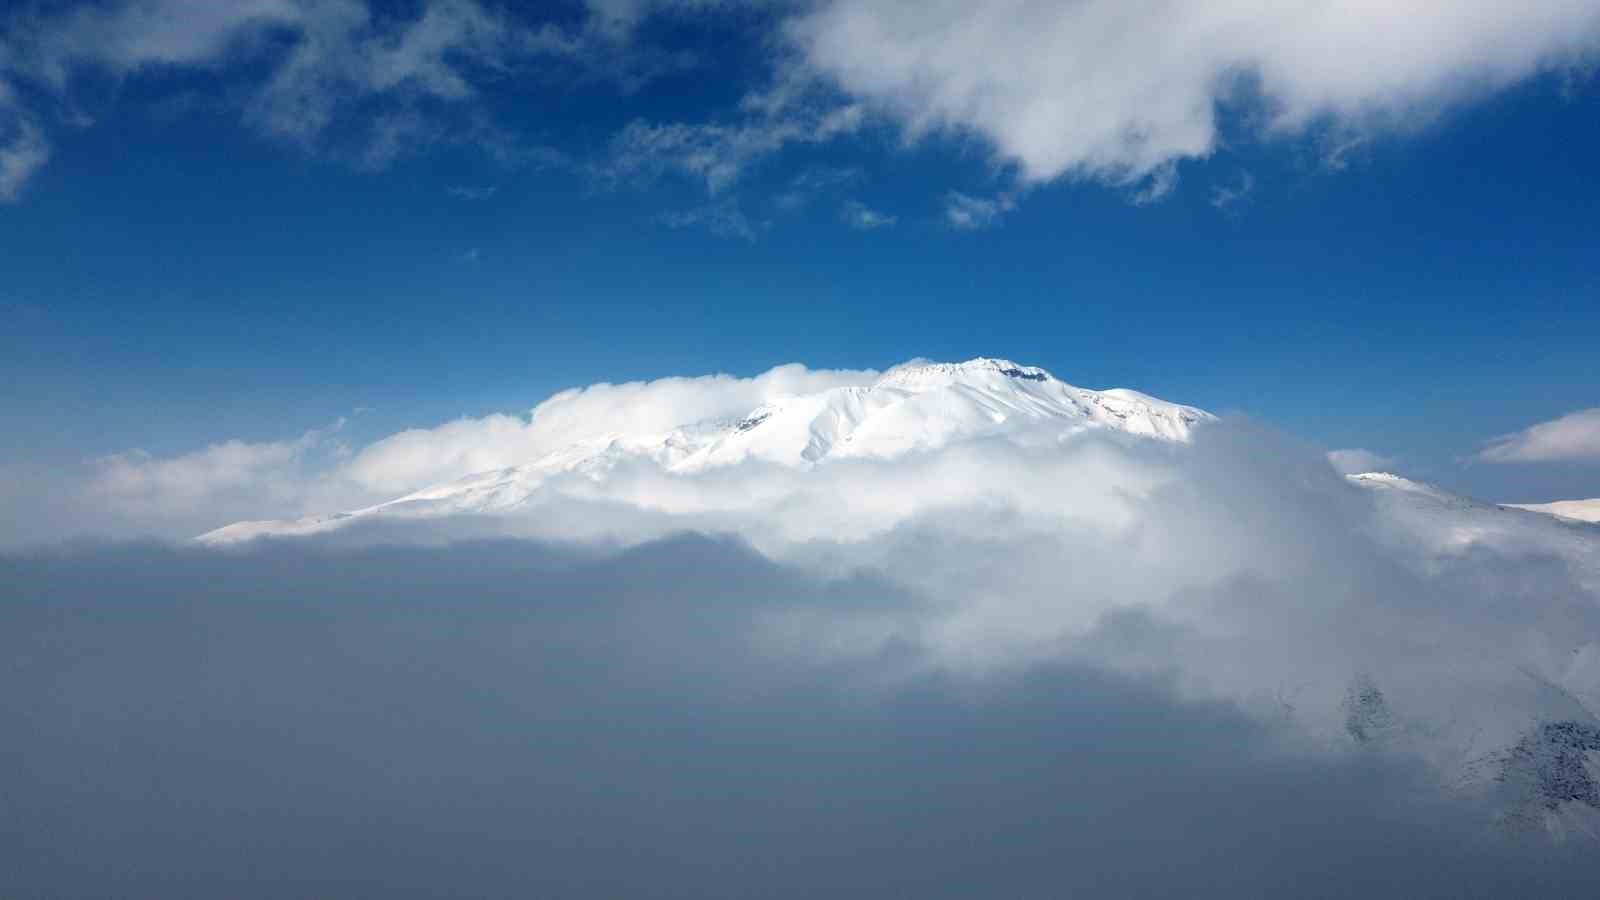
(135, 492)
(506, 717)
(1025, 664)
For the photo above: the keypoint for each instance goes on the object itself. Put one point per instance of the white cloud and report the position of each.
(1116, 90)
(1574, 437)
(862, 217)
(969, 213)
(1355, 460)
(1156, 186)
(323, 62)
(815, 180)
(723, 218)
(1239, 567)
(419, 457)
(716, 154)
(344, 55)
(128, 36)
(719, 153)
(514, 718)
(317, 472)
(230, 475)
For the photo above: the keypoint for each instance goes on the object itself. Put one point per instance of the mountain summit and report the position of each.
(915, 407)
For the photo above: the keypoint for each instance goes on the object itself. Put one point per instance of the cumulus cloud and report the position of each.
(1353, 460)
(1575, 437)
(1109, 90)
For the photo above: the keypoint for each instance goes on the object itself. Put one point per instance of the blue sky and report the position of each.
(249, 222)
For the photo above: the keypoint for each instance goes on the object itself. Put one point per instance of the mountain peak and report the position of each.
(927, 373)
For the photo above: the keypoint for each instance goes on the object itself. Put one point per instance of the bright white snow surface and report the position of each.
(1582, 510)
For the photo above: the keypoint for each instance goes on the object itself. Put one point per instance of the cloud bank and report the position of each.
(178, 496)
(1119, 91)
(1020, 664)
(500, 718)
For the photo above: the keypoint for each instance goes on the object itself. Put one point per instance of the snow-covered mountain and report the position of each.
(918, 406)
(1449, 523)
(1469, 626)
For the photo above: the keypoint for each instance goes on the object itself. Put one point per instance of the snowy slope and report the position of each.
(1582, 510)
(918, 406)
(1449, 523)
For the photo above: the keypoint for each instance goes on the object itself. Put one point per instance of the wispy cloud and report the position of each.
(719, 153)
(815, 180)
(723, 218)
(862, 217)
(472, 192)
(1224, 196)
(301, 67)
(1338, 148)
(345, 54)
(1574, 437)
(968, 213)
(1154, 186)
(23, 152)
